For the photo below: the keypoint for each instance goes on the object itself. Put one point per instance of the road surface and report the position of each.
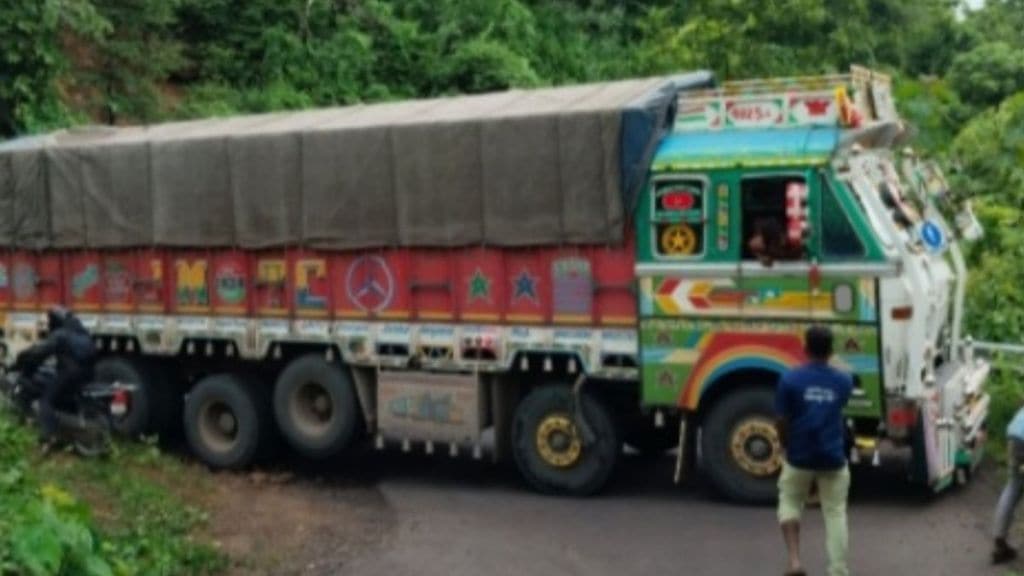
(452, 518)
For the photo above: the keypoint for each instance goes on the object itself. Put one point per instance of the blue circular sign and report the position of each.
(933, 236)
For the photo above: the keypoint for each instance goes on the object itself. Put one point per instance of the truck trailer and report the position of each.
(567, 269)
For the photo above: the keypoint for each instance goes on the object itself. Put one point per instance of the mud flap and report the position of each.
(586, 431)
(681, 456)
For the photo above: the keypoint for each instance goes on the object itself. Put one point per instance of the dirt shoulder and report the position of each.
(271, 523)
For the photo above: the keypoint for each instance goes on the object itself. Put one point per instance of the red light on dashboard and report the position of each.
(678, 201)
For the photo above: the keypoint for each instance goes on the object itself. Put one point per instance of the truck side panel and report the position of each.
(572, 297)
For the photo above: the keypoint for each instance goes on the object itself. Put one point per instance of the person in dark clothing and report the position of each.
(769, 243)
(809, 407)
(71, 345)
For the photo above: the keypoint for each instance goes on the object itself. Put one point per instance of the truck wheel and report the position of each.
(153, 406)
(224, 423)
(550, 451)
(741, 447)
(316, 407)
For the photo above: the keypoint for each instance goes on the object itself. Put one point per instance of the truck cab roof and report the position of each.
(711, 150)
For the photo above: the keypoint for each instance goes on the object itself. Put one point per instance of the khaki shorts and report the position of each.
(795, 488)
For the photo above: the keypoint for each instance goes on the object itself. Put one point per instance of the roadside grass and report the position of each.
(115, 516)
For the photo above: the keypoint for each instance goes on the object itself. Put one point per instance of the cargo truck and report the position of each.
(568, 269)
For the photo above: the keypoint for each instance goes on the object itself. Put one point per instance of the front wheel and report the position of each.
(550, 449)
(741, 447)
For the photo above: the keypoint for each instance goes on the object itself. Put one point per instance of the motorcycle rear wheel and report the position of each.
(91, 437)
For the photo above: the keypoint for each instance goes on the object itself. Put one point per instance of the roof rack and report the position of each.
(856, 100)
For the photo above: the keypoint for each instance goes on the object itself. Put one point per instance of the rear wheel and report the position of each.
(224, 422)
(316, 407)
(741, 447)
(550, 449)
(91, 434)
(153, 405)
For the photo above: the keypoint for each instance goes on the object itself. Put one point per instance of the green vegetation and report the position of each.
(112, 517)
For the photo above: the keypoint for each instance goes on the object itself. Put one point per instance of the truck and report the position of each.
(540, 276)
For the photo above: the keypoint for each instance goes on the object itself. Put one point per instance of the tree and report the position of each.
(32, 59)
(121, 71)
(987, 74)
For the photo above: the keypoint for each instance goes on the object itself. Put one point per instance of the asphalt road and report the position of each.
(456, 518)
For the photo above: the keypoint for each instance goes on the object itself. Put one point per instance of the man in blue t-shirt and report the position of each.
(1008, 500)
(809, 406)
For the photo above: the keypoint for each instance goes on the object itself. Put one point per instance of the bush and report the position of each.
(46, 531)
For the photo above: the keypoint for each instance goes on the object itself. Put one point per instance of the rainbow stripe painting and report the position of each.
(683, 359)
(728, 352)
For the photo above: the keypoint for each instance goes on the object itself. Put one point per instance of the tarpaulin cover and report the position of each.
(518, 168)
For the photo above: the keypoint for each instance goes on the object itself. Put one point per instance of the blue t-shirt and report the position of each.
(1016, 427)
(811, 399)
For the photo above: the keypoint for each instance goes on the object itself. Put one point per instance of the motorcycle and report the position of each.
(83, 418)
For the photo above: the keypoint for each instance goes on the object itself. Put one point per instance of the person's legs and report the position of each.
(794, 486)
(834, 488)
(1008, 501)
(52, 388)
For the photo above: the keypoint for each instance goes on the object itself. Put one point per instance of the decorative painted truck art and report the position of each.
(684, 358)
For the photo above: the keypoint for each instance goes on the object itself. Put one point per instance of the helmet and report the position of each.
(55, 317)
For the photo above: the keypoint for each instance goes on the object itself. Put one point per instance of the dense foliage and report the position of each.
(46, 531)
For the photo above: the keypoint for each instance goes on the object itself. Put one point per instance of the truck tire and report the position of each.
(316, 407)
(224, 422)
(154, 404)
(741, 448)
(549, 450)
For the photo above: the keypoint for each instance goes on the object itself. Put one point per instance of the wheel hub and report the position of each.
(558, 442)
(311, 409)
(226, 422)
(218, 426)
(756, 448)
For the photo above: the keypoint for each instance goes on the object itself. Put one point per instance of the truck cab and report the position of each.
(780, 204)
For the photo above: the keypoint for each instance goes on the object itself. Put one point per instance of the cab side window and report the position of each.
(771, 220)
(839, 239)
(677, 222)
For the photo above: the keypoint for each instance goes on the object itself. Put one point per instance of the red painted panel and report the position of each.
(614, 285)
(230, 283)
(151, 282)
(50, 285)
(5, 280)
(528, 286)
(270, 288)
(118, 281)
(83, 282)
(432, 284)
(24, 280)
(191, 272)
(481, 285)
(372, 284)
(311, 285)
(572, 286)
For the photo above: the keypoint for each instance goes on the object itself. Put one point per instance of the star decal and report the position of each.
(525, 286)
(479, 286)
